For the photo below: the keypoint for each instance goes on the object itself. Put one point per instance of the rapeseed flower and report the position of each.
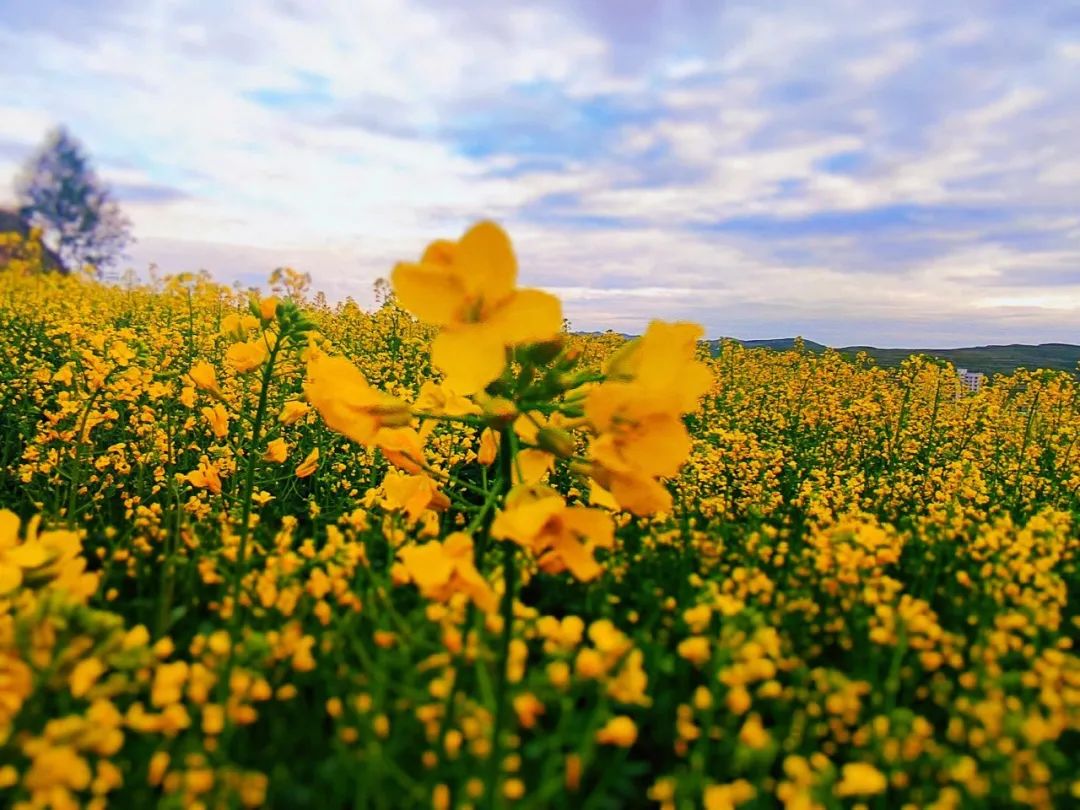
(561, 537)
(441, 569)
(347, 403)
(247, 356)
(469, 289)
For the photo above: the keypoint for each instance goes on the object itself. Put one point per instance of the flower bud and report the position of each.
(393, 413)
(268, 308)
(204, 376)
(556, 441)
(543, 353)
(499, 412)
(620, 366)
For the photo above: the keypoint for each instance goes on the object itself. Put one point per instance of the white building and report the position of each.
(971, 380)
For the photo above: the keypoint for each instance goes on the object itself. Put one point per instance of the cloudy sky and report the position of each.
(900, 174)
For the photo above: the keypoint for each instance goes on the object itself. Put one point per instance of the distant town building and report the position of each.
(971, 380)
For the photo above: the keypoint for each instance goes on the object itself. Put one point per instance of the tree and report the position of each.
(60, 193)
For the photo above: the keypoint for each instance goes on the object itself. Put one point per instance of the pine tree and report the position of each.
(60, 193)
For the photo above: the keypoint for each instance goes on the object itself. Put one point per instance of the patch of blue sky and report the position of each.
(537, 120)
(791, 187)
(843, 162)
(797, 91)
(562, 209)
(311, 90)
(882, 218)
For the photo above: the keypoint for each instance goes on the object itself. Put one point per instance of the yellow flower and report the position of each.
(205, 477)
(412, 493)
(159, 763)
(695, 650)
(528, 708)
(84, 675)
(860, 779)
(489, 447)
(218, 418)
(441, 399)
(247, 356)
(637, 415)
(561, 537)
(57, 769)
(468, 288)
(52, 558)
(64, 376)
(402, 447)
(309, 464)
(440, 570)
(236, 324)
(16, 557)
(738, 700)
(348, 405)
(730, 796)
(276, 451)
(205, 377)
(268, 308)
(531, 465)
(619, 731)
(293, 411)
(753, 734)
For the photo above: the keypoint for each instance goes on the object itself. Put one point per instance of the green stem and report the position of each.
(249, 484)
(507, 610)
(506, 461)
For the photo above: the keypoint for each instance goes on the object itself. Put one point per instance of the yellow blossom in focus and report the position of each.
(293, 411)
(204, 376)
(561, 537)
(468, 289)
(309, 464)
(276, 451)
(218, 419)
(247, 356)
(268, 307)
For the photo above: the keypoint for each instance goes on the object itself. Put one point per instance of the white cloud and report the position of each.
(340, 137)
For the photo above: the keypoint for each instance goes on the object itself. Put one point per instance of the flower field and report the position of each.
(277, 552)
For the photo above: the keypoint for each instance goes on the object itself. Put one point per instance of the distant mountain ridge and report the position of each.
(993, 359)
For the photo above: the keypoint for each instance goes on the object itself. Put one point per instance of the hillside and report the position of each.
(994, 359)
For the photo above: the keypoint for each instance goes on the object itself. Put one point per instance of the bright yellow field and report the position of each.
(273, 552)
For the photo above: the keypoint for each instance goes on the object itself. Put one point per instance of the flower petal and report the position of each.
(531, 465)
(9, 528)
(528, 316)
(10, 577)
(640, 494)
(593, 524)
(659, 446)
(470, 357)
(484, 260)
(428, 291)
(427, 564)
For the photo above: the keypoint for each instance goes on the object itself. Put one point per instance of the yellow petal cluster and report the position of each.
(469, 290)
(561, 537)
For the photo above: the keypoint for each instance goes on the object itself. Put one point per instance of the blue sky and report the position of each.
(898, 174)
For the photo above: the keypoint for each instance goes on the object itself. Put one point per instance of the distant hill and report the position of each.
(776, 344)
(990, 360)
